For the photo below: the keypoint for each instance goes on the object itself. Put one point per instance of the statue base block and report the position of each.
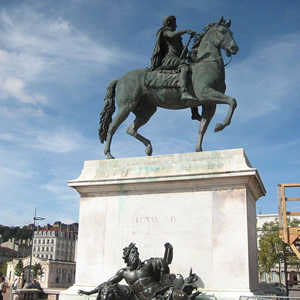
(202, 203)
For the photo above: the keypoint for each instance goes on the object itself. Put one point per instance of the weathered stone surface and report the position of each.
(202, 203)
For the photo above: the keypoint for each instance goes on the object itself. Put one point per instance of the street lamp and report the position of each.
(35, 218)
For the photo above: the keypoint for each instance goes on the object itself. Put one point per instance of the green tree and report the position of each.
(270, 252)
(3, 267)
(37, 270)
(19, 269)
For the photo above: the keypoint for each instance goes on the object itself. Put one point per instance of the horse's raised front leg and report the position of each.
(117, 121)
(143, 113)
(216, 97)
(208, 112)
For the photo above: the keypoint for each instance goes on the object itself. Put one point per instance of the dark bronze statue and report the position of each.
(172, 83)
(170, 54)
(146, 280)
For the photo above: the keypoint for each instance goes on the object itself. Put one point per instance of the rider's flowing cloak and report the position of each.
(159, 51)
(161, 58)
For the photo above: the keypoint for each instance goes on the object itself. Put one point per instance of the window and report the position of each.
(264, 276)
(43, 276)
(70, 276)
(64, 276)
(57, 279)
(274, 275)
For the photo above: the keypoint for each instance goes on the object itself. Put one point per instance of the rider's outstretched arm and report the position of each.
(171, 34)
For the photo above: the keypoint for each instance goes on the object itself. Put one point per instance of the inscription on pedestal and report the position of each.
(153, 225)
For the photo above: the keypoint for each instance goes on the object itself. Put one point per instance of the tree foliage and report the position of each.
(15, 232)
(19, 268)
(3, 268)
(270, 252)
(37, 270)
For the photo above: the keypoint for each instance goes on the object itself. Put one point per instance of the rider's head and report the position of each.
(169, 21)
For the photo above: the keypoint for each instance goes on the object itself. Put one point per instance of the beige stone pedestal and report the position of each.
(202, 203)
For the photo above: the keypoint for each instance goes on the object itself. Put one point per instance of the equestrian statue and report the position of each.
(177, 79)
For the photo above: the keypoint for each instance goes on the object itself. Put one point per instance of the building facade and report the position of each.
(7, 254)
(54, 247)
(54, 244)
(23, 247)
(56, 274)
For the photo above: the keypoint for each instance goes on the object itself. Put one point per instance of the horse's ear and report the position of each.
(221, 21)
(228, 24)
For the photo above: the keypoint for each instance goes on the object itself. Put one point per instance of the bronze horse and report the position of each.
(207, 85)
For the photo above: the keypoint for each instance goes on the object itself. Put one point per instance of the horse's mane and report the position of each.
(197, 40)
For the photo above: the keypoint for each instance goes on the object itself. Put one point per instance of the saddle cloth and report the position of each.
(161, 79)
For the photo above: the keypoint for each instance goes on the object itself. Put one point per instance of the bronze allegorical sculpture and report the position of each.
(147, 280)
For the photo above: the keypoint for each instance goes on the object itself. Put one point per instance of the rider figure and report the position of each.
(169, 54)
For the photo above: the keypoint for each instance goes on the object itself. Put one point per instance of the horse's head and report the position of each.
(221, 36)
(224, 37)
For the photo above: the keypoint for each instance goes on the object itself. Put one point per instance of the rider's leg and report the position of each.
(184, 81)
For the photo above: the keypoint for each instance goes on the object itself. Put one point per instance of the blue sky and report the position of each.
(57, 57)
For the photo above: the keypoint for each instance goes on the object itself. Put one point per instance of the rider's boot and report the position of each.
(185, 95)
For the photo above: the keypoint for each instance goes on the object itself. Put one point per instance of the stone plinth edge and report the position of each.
(126, 175)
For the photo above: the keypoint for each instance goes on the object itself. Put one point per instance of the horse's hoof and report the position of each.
(109, 156)
(219, 127)
(196, 117)
(148, 150)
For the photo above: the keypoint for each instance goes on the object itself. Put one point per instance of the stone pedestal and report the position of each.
(202, 203)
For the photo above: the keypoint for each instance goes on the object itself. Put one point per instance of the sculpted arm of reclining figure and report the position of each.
(115, 279)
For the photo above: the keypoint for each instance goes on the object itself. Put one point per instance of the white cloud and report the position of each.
(35, 48)
(15, 87)
(58, 141)
(266, 80)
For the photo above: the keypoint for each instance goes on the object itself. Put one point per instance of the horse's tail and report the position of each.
(108, 110)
